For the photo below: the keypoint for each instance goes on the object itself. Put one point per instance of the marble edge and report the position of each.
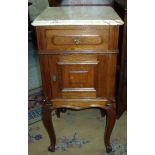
(76, 22)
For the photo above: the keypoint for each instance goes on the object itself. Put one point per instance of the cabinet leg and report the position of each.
(110, 122)
(102, 112)
(47, 120)
(58, 112)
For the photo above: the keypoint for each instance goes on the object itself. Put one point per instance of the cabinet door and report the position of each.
(82, 75)
(73, 75)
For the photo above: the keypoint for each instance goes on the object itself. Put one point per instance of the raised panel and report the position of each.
(74, 75)
(78, 76)
(77, 40)
(78, 70)
(84, 39)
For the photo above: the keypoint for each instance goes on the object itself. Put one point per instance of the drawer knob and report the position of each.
(77, 41)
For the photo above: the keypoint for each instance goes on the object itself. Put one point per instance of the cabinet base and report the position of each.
(107, 106)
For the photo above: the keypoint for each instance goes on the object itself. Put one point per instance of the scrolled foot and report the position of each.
(108, 149)
(51, 148)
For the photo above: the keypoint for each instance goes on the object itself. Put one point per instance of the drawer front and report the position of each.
(77, 39)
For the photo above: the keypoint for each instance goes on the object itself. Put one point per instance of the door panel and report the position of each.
(78, 81)
(73, 78)
(82, 75)
(78, 76)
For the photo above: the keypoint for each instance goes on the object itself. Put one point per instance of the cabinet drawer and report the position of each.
(90, 39)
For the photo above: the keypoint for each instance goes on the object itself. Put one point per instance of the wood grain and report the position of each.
(45, 75)
(65, 40)
(78, 76)
(79, 103)
(77, 58)
(70, 40)
(76, 95)
(56, 86)
(55, 52)
(106, 75)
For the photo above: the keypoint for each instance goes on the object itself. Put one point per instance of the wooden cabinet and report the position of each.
(78, 66)
(82, 70)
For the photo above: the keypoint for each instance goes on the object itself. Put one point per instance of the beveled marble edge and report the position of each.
(77, 22)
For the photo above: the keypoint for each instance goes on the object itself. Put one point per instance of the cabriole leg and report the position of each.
(47, 120)
(110, 122)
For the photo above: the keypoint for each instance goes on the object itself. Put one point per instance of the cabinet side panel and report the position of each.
(102, 76)
(43, 60)
(44, 67)
(41, 42)
(106, 75)
(113, 37)
(111, 73)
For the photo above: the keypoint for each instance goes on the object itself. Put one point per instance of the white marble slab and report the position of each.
(78, 15)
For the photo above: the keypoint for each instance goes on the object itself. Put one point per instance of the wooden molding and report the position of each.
(79, 103)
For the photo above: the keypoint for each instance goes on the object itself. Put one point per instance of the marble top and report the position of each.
(78, 15)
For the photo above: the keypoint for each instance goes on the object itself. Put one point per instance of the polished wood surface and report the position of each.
(78, 58)
(46, 117)
(80, 103)
(78, 75)
(98, 74)
(111, 114)
(88, 39)
(77, 94)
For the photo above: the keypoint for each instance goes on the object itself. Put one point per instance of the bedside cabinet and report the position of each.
(77, 48)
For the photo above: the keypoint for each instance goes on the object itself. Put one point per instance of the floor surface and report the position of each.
(79, 133)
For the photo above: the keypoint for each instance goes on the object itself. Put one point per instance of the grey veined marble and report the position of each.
(78, 15)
